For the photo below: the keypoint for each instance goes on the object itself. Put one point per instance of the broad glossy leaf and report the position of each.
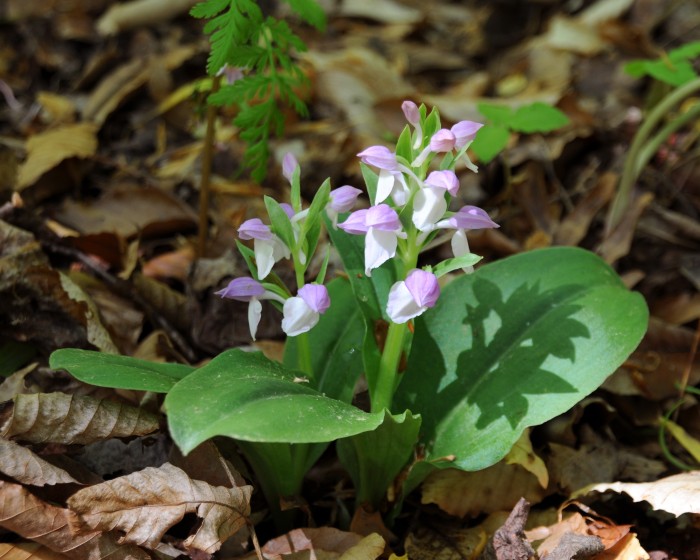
(119, 372)
(245, 396)
(513, 345)
(337, 344)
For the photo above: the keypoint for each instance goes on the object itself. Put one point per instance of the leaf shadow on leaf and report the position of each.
(507, 346)
(528, 355)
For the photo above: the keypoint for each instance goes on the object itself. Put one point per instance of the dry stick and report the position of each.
(207, 154)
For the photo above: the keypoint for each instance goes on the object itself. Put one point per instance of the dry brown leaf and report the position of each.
(657, 366)
(58, 108)
(26, 467)
(522, 454)
(129, 210)
(628, 548)
(348, 80)
(618, 243)
(14, 384)
(174, 264)
(128, 15)
(23, 513)
(448, 539)
(71, 419)
(97, 334)
(386, 11)
(28, 551)
(40, 305)
(574, 227)
(677, 494)
(126, 79)
(145, 504)
(470, 493)
(325, 543)
(47, 149)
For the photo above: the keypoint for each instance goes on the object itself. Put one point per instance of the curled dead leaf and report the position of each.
(26, 467)
(145, 504)
(677, 494)
(47, 149)
(23, 513)
(71, 419)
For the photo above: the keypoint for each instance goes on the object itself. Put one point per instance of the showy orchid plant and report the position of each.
(456, 366)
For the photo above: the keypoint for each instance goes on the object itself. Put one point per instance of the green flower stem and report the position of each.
(305, 355)
(388, 367)
(632, 163)
(653, 145)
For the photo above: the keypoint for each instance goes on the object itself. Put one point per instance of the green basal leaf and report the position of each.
(118, 372)
(489, 142)
(279, 222)
(374, 459)
(456, 263)
(337, 344)
(513, 345)
(245, 396)
(498, 115)
(538, 117)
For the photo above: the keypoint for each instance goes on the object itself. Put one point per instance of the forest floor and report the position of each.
(101, 134)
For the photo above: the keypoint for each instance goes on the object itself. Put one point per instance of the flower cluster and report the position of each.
(409, 207)
(293, 234)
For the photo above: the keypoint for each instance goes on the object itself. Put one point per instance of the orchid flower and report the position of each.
(289, 165)
(412, 114)
(382, 227)
(342, 199)
(411, 297)
(429, 204)
(391, 181)
(302, 312)
(251, 291)
(465, 132)
(267, 246)
(467, 217)
(441, 142)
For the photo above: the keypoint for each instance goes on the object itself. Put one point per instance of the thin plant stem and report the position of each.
(653, 145)
(631, 168)
(304, 353)
(388, 367)
(204, 187)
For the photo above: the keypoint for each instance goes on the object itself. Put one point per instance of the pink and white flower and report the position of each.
(267, 246)
(413, 296)
(251, 291)
(302, 312)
